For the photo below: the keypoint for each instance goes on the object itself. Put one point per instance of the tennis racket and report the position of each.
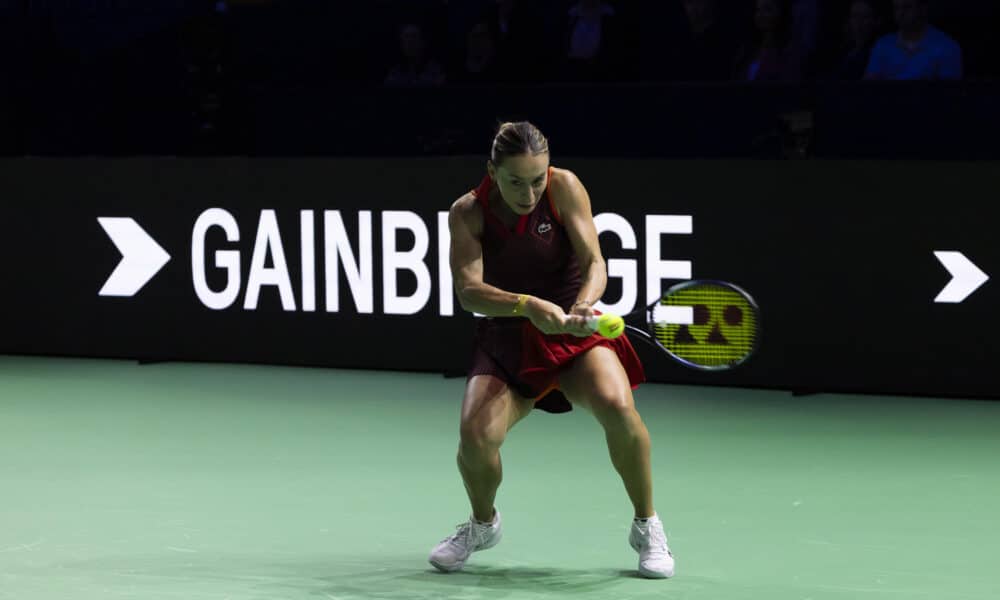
(704, 324)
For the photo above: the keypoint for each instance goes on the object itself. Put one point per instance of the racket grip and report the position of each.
(592, 323)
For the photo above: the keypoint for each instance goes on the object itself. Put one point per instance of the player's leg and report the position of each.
(489, 410)
(597, 381)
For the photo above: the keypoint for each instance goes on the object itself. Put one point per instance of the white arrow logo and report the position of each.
(142, 257)
(965, 276)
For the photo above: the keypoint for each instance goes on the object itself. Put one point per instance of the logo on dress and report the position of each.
(544, 230)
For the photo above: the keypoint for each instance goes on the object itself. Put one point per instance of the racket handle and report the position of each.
(592, 323)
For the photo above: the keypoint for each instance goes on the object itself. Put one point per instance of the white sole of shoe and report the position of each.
(654, 574)
(445, 568)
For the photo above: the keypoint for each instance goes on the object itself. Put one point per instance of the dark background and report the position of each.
(311, 77)
(823, 194)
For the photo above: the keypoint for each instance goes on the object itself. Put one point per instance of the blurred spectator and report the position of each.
(705, 47)
(517, 30)
(458, 17)
(772, 54)
(415, 67)
(805, 25)
(917, 51)
(861, 30)
(204, 49)
(592, 41)
(479, 65)
(506, 18)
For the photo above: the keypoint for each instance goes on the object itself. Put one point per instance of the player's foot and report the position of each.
(471, 536)
(648, 539)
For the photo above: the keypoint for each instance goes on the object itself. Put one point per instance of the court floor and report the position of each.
(205, 481)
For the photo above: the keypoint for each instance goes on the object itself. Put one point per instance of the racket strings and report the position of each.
(722, 332)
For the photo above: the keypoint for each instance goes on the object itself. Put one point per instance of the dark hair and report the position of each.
(515, 139)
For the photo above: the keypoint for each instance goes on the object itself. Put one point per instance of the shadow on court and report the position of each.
(478, 581)
(228, 575)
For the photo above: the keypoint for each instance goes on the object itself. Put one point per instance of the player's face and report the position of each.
(522, 180)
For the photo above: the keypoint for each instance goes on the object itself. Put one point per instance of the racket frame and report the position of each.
(648, 334)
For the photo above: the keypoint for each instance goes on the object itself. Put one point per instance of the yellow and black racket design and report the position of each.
(707, 325)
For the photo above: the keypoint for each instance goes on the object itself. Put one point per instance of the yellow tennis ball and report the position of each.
(610, 326)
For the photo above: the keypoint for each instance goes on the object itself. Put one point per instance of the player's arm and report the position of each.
(573, 204)
(465, 224)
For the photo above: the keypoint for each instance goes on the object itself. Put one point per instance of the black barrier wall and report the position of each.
(333, 262)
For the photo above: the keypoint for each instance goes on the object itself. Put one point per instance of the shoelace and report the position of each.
(657, 544)
(468, 535)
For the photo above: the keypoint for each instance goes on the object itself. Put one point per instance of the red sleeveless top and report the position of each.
(536, 257)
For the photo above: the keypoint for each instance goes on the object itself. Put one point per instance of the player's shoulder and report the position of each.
(564, 179)
(467, 209)
(465, 204)
(566, 189)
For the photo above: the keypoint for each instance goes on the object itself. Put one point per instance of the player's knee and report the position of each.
(612, 406)
(477, 438)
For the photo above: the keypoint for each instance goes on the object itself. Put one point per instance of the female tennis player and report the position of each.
(525, 253)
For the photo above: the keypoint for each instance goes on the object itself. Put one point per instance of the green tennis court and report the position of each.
(212, 481)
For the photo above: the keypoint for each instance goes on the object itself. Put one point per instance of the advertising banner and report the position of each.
(871, 277)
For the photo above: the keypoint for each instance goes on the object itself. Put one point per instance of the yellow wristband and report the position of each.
(522, 301)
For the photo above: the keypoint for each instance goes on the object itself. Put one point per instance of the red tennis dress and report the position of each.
(536, 258)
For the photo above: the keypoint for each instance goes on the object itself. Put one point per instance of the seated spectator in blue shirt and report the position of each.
(917, 50)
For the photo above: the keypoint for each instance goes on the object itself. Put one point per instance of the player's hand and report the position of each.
(549, 318)
(582, 308)
(576, 320)
(577, 325)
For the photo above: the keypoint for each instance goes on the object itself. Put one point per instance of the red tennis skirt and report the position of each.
(529, 361)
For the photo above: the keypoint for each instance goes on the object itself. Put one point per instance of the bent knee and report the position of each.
(612, 405)
(477, 437)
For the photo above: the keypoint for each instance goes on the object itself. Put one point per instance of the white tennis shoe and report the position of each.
(648, 539)
(471, 536)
